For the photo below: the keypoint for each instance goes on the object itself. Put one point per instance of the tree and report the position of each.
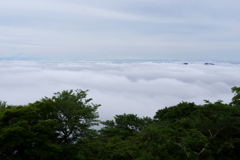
(124, 125)
(155, 142)
(3, 104)
(200, 131)
(47, 129)
(111, 148)
(118, 137)
(74, 115)
(236, 97)
(175, 113)
(24, 135)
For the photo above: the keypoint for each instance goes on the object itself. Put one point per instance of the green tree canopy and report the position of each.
(61, 127)
(236, 97)
(124, 125)
(47, 129)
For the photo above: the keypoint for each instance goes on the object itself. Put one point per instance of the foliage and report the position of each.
(61, 127)
(3, 104)
(124, 125)
(236, 97)
(175, 113)
(47, 129)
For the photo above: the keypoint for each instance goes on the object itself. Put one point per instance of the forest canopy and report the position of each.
(62, 127)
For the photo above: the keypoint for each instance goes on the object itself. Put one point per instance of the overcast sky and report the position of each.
(137, 88)
(95, 29)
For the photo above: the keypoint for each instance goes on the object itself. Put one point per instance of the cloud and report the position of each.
(66, 10)
(138, 88)
(157, 29)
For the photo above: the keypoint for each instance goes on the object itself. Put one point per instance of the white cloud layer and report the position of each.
(139, 88)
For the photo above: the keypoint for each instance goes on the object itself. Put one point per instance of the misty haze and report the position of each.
(139, 88)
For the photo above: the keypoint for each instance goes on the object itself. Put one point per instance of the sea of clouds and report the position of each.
(140, 88)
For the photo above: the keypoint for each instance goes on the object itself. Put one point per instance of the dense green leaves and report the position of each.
(175, 113)
(23, 134)
(74, 116)
(47, 129)
(236, 97)
(124, 125)
(3, 104)
(61, 127)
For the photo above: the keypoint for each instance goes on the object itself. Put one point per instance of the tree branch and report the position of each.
(183, 148)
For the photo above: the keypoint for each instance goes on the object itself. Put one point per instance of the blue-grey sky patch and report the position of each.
(61, 29)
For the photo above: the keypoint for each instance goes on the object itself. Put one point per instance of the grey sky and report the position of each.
(78, 29)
